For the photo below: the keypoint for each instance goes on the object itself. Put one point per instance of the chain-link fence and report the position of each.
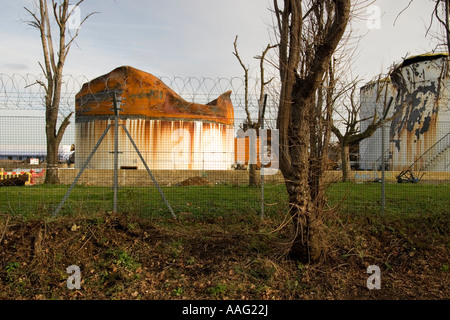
(175, 140)
(176, 149)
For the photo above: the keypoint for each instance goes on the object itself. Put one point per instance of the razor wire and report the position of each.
(26, 92)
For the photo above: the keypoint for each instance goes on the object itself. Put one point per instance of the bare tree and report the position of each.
(54, 60)
(308, 34)
(249, 122)
(351, 134)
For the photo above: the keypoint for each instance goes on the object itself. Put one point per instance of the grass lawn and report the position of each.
(401, 199)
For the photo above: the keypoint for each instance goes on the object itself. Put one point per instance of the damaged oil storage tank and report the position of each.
(419, 130)
(374, 99)
(169, 132)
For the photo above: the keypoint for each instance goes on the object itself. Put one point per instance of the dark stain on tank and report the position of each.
(411, 107)
(426, 124)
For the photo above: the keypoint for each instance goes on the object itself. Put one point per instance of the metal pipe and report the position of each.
(383, 160)
(116, 151)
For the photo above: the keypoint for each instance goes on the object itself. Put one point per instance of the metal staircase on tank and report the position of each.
(445, 154)
(437, 150)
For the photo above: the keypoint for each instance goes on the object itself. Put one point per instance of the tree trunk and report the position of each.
(53, 142)
(252, 175)
(53, 71)
(306, 245)
(294, 114)
(345, 161)
(52, 177)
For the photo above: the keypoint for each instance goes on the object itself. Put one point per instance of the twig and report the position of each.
(84, 243)
(402, 12)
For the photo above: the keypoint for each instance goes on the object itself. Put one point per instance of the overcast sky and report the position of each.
(194, 38)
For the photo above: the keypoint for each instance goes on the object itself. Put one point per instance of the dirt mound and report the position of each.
(195, 181)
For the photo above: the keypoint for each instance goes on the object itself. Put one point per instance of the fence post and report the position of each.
(260, 152)
(383, 165)
(383, 152)
(116, 110)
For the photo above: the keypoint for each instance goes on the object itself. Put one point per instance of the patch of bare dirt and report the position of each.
(195, 181)
(124, 256)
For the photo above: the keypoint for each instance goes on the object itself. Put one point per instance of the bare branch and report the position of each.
(277, 15)
(57, 15)
(47, 41)
(402, 12)
(42, 68)
(37, 82)
(436, 14)
(35, 24)
(63, 127)
(236, 54)
(431, 18)
(313, 7)
(263, 83)
(77, 32)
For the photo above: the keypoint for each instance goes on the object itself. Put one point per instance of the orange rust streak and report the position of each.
(173, 151)
(247, 151)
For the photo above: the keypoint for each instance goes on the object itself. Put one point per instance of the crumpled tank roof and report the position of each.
(145, 96)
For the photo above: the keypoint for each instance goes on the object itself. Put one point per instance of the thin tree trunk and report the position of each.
(252, 175)
(53, 142)
(345, 161)
(52, 176)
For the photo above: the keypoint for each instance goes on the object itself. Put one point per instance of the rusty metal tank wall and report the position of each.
(170, 132)
(418, 134)
(178, 145)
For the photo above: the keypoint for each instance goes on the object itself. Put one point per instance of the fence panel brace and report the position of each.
(116, 109)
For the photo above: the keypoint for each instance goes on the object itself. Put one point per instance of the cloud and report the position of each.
(16, 66)
(191, 38)
(173, 38)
